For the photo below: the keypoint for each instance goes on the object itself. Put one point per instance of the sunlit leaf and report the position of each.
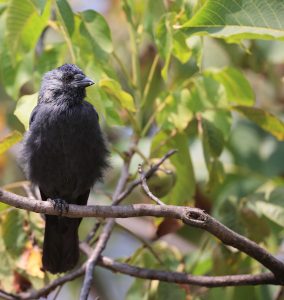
(221, 118)
(24, 24)
(97, 29)
(176, 112)
(164, 40)
(264, 119)
(66, 15)
(236, 20)
(181, 49)
(30, 261)
(237, 87)
(24, 108)
(272, 211)
(114, 89)
(9, 140)
(39, 4)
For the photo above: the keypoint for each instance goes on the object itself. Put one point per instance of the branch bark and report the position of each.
(190, 216)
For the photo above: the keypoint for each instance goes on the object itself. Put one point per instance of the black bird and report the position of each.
(64, 153)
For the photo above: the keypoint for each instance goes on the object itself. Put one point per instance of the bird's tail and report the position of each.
(61, 244)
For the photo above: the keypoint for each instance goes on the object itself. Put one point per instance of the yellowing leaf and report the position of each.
(113, 88)
(9, 140)
(264, 119)
(30, 261)
(24, 108)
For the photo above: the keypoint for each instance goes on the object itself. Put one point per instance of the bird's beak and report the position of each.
(84, 82)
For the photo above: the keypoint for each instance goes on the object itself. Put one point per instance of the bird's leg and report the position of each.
(59, 205)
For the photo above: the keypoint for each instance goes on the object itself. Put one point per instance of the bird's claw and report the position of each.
(60, 205)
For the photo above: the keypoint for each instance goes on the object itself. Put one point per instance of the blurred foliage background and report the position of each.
(203, 77)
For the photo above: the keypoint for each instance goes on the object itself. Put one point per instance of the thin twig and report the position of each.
(7, 296)
(53, 285)
(146, 188)
(183, 278)
(93, 232)
(148, 174)
(143, 241)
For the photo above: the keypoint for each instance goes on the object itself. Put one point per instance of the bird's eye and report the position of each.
(68, 77)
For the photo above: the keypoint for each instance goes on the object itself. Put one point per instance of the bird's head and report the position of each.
(66, 83)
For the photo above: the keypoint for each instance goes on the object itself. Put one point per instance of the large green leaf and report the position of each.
(113, 88)
(98, 29)
(273, 212)
(39, 5)
(264, 119)
(9, 140)
(239, 19)
(24, 108)
(66, 15)
(237, 87)
(24, 24)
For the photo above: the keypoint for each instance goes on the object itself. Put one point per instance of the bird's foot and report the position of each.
(60, 205)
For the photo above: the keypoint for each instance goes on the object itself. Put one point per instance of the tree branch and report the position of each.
(167, 276)
(190, 216)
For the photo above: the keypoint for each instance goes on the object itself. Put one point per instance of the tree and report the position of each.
(158, 84)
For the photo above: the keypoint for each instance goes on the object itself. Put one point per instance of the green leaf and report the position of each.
(213, 140)
(139, 290)
(10, 140)
(237, 87)
(113, 88)
(66, 15)
(12, 232)
(24, 24)
(169, 291)
(238, 19)
(272, 211)
(98, 29)
(180, 48)
(24, 108)
(207, 93)
(164, 40)
(39, 5)
(221, 118)
(264, 119)
(216, 174)
(184, 188)
(176, 113)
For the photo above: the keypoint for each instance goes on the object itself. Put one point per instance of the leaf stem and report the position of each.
(149, 80)
(123, 69)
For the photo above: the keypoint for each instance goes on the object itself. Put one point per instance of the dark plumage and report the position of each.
(64, 153)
